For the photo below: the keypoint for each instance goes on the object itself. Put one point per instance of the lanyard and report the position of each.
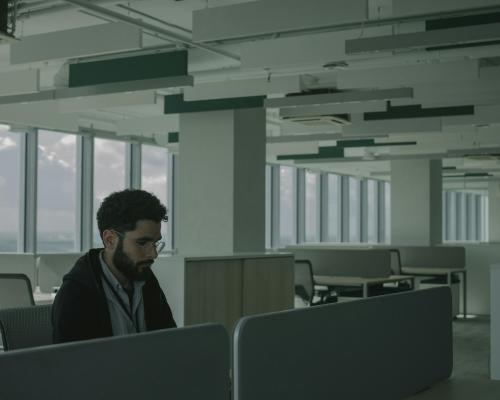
(122, 304)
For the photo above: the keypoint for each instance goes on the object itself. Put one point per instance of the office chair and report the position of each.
(305, 288)
(26, 327)
(15, 291)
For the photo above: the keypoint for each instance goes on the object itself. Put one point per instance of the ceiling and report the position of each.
(350, 84)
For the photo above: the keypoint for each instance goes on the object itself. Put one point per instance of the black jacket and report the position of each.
(80, 309)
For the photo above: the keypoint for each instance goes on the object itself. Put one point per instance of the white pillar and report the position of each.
(494, 211)
(222, 182)
(416, 202)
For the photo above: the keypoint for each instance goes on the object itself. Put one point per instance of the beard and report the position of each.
(140, 271)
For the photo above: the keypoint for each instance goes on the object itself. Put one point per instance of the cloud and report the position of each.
(6, 143)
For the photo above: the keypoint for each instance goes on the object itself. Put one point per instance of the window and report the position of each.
(154, 178)
(354, 210)
(372, 211)
(288, 206)
(461, 216)
(465, 216)
(268, 206)
(312, 207)
(56, 209)
(109, 174)
(387, 198)
(10, 163)
(334, 208)
(472, 206)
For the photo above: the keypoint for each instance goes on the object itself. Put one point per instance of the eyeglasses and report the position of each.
(145, 244)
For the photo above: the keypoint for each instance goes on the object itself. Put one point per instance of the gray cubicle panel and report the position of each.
(183, 364)
(386, 347)
(432, 257)
(365, 263)
(52, 267)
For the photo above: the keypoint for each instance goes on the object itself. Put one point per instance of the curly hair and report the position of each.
(121, 210)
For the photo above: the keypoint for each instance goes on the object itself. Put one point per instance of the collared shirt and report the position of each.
(120, 320)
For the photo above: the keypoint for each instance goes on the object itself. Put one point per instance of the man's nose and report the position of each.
(152, 252)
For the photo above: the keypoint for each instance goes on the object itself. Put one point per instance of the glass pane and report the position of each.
(268, 206)
(387, 198)
(486, 218)
(372, 211)
(451, 216)
(10, 162)
(154, 178)
(288, 206)
(471, 217)
(354, 210)
(56, 209)
(462, 216)
(334, 208)
(312, 207)
(109, 174)
(443, 214)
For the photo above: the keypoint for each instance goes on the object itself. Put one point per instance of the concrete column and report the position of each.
(222, 182)
(416, 204)
(494, 211)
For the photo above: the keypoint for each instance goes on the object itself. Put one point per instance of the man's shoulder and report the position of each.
(85, 268)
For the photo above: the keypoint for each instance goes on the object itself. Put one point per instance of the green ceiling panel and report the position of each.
(151, 66)
(175, 104)
(324, 152)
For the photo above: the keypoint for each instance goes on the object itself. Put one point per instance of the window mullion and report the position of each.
(28, 195)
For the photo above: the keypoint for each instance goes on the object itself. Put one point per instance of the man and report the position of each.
(112, 291)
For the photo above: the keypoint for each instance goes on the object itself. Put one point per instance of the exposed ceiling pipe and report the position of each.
(41, 7)
(143, 14)
(168, 35)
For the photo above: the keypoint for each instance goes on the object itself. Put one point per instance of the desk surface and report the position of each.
(329, 280)
(431, 271)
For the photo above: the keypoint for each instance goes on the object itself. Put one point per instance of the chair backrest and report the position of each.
(304, 284)
(395, 262)
(52, 268)
(15, 291)
(19, 263)
(26, 327)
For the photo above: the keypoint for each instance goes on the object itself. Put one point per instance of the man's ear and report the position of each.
(109, 239)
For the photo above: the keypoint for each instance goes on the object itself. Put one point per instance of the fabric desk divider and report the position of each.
(386, 347)
(183, 364)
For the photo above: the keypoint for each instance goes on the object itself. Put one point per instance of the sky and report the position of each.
(57, 177)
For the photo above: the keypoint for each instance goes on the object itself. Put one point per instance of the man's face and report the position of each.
(136, 251)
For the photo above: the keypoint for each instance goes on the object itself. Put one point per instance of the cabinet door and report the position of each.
(267, 285)
(213, 292)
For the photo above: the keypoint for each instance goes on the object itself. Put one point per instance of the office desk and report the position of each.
(448, 272)
(43, 298)
(364, 283)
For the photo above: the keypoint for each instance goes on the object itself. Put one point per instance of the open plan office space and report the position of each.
(331, 170)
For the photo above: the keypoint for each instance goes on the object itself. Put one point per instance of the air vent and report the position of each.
(320, 120)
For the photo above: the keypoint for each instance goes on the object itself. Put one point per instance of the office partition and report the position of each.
(182, 364)
(386, 347)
